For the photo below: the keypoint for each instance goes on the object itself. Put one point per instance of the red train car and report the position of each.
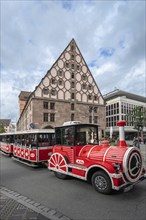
(32, 147)
(7, 143)
(78, 154)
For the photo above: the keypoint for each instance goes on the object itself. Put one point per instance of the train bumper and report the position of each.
(130, 186)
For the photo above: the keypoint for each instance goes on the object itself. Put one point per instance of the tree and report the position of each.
(2, 129)
(137, 118)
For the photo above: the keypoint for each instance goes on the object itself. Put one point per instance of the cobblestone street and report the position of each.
(14, 206)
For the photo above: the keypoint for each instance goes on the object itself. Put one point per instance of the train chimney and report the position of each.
(122, 141)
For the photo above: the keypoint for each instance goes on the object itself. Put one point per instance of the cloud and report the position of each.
(110, 35)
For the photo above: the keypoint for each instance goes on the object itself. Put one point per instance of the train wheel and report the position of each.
(102, 182)
(58, 164)
(61, 175)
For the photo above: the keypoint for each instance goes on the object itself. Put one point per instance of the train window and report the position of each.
(68, 136)
(86, 135)
(58, 135)
(44, 140)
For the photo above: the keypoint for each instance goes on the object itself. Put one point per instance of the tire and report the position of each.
(101, 182)
(60, 175)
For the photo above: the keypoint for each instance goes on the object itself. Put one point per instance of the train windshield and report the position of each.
(77, 135)
(86, 135)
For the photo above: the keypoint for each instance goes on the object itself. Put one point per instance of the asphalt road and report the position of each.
(74, 198)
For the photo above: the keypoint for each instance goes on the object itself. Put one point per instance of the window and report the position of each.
(72, 75)
(89, 97)
(45, 91)
(72, 47)
(72, 117)
(60, 73)
(90, 119)
(72, 85)
(72, 106)
(84, 77)
(95, 119)
(45, 104)
(52, 117)
(84, 86)
(53, 81)
(90, 87)
(72, 96)
(52, 105)
(72, 57)
(72, 66)
(53, 92)
(95, 98)
(60, 82)
(78, 67)
(67, 65)
(45, 117)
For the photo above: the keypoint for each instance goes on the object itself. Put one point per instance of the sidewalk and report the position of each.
(143, 151)
(14, 206)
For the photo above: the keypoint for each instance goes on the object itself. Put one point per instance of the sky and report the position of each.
(110, 35)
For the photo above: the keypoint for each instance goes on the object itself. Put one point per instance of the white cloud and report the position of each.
(34, 34)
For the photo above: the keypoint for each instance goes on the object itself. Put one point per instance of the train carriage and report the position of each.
(78, 154)
(7, 143)
(32, 147)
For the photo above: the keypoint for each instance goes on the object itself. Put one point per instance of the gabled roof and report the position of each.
(5, 122)
(119, 93)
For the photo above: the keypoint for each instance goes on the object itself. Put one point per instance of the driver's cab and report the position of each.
(71, 138)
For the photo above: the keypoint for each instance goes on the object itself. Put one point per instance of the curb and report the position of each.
(51, 214)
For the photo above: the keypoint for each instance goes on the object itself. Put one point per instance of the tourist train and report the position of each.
(31, 147)
(73, 149)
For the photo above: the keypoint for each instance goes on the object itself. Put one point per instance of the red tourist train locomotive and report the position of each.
(78, 154)
(32, 147)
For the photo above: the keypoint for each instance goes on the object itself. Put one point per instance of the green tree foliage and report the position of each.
(137, 118)
(2, 130)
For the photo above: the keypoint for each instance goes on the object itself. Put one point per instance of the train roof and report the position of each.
(75, 125)
(34, 131)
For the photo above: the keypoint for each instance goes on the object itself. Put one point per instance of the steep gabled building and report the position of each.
(68, 92)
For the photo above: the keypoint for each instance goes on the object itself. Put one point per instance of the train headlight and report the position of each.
(117, 167)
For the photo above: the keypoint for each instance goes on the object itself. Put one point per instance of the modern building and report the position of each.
(118, 104)
(68, 92)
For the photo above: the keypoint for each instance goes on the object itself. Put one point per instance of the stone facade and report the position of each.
(68, 92)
